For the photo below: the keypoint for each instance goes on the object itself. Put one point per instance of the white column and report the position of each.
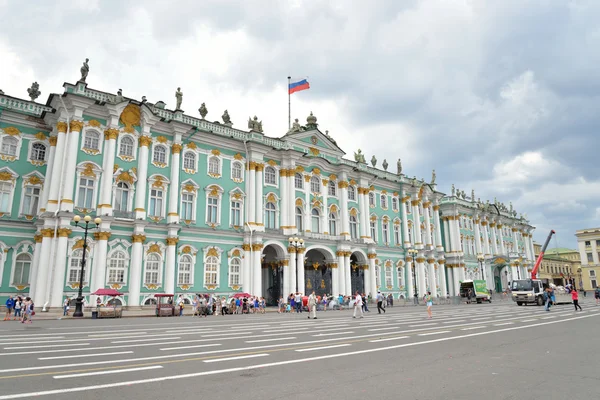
(416, 224)
(438, 229)
(292, 198)
(285, 201)
(344, 209)
(335, 279)
(106, 182)
(293, 271)
(70, 164)
(251, 193)
(142, 177)
(477, 237)
(246, 268)
(447, 236)
(456, 277)
(170, 265)
(367, 274)
(36, 265)
(427, 221)
(531, 250)
(404, 222)
(300, 266)
(49, 178)
(432, 277)
(450, 281)
(260, 209)
(502, 246)
(421, 276)
(52, 180)
(342, 280)
(325, 214)
(135, 269)
(515, 240)
(42, 284)
(459, 246)
(60, 265)
(442, 272)
(347, 272)
(486, 241)
(410, 289)
(257, 269)
(307, 210)
(494, 243)
(372, 266)
(98, 270)
(174, 190)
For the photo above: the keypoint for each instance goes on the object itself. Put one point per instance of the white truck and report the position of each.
(531, 291)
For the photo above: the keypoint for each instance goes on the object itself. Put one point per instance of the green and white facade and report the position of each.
(191, 206)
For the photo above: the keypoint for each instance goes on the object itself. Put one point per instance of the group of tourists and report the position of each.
(19, 307)
(205, 305)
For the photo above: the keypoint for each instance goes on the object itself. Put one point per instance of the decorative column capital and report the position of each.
(64, 232)
(111, 133)
(144, 141)
(47, 232)
(301, 250)
(260, 167)
(53, 140)
(285, 263)
(76, 126)
(436, 208)
(138, 238)
(38, 238)
(291, 249)
(333, 265)
(340, 253)
(246, 247)
(426, 204)
(257, 247)
(372, 256)
(102, 235)
(61, 127)
(415, 202)
(176, 148)
(343, 185)
(172, 241)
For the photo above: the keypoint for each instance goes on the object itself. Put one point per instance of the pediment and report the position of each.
(314, 139)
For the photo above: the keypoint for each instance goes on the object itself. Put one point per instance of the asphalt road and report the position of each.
(493, 351)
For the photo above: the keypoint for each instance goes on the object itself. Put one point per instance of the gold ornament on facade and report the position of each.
(64, 232)
(307, 178)
(436, 208)
(144, 141)
(76, 126)
(371, 256)
(78, 245)
(88, 170)
(154, 248)
(316, 171)
(238, 157)
(111, 133)
(53, 140)
(314, 151)
(130, 117)
(11, 131)
(189, 188)
(426, 204)
(38, 238)
(414, 202)
(257, 247)
(272, 163)
(125, 177)
(353, 212)
(136, 238)
(102, 235)
(214, 191)
(215, 152)
(343, 184)
(212, 252)
(299, 169)
(40, 136)
(152, 286)
(334, 208)
(61, 127)
(373, 218)
(176, 148)
(33, 180)
(388, 264)
(94, 123)
(325, 182)
(158, 182)
(162, 139)
(116, 286)
(271, 198)
(172, 241)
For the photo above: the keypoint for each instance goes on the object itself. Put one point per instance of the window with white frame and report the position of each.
(592, 273)
(38, 152)
(400, 277)
(189, 161)
(315, 219)
(353, 227)
(9, 146)
(410, 238)
(187, 206)
(298, 181)
(234, 271)
(85, 199)
(122, 192)
(31, 200)
(156, 202)
(6, 189)
(270, 176)
(214, 165)
(383, 201)
(389, 277)
(117, 267)
(211, 270)
(212, 210)
(237, 171)
(377, 275)
(371, 199)
(160, 154)
(394, 203)
(184, 276)
(332, 189)
(74, 271)
(236, 213)
(152, 273)
(91, 140)
(386, 232)
(22, 269)
(351, 193)
(333, 223)
(315, 184)
(397, 240)
(126, 146)
(299, 219)
(373, 225)
(270, 215)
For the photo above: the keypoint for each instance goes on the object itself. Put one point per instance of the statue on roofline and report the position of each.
(399, 167)
(254, 125)
(433, 176)
(203, 110)
(226, 118)
(385, 164)
(359, 157)
(373, 161)
(34, 91)
(179, 97)
(85, 69)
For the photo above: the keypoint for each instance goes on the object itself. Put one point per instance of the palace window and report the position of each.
(332, 189)
(333, 223)
(315, 218)
(38, 152)
(315, 184)
(189, 161)
(371, 199)
(156, 203)
(122, 197)
(160, 154)
(400, 277)
(214, 165)
(353, 227)
(117, 267)
(298, 181)
(394, 203)
(91, 140)
(234, 271)
(386, 232)
(5, 196)
(126, 146)
(74, 271)
(152, 273)
(236, 213)
(299, 219)
(213, 210)
(211, 271)
(86, 192)
(184, 276)
(383, 201)
(397, 235)
(373, 225)
(187, 206)
(31, 200)
(22, 270)
(237, 171)
(389, 277)
(410, 238)
(270, 176)
(9, 146)
(270, 215)
(351, 193)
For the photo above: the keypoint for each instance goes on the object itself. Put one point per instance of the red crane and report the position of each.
(538, 262)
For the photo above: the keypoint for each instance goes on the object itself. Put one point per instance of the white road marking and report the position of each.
(110, 335)
(423, 325)
(46, 346)
(529, 320)
(453, 322)
(112, 371)
(504, 323)
(323, 347)
(433, 333)
(388, 339)
(473, 328)
(382, 329)
(85, 355)
(283, 330)
(194, 346)
(148, 340)
(270, 340)
(236, 358)
(333, 334)
(549, 317)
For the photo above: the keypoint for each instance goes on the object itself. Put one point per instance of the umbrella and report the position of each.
(107, 292)
(241, 295)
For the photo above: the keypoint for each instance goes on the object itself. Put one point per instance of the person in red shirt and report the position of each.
(575, 298)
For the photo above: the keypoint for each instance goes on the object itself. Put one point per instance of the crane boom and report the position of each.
(538, 262)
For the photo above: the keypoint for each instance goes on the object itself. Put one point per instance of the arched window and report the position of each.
(237, 171)
(122, 197)
(315, 184)
(270, 176)
(299, 219)
(185, 270)
(332, 188)
(386, 232)
(270, 212)
(383, 201)
(126, 146)
(371, 199)
(236, 213)
(389, 277)
(22, 269)
(152, 275)
(9, 146)
(234, 271)
(373, 225)
(298, 181)
(353, 227)
(189, 160)
(333, 223)
(211, 270)
(351, 193)
(397, 235)
(117, 267)
(38, 152)
(187, 206)
(150, 302)
(5, 196)
(410, 233)
(214, 165)
(315, 218)
(75, 266)
(400, 277)
(212, 213)
(156, 202)
(31, 200)
(91, 140)
(86, 192)
(160, 154)
(394, 203)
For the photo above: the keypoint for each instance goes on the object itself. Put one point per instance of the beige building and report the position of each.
(560, 266)
(588, 241)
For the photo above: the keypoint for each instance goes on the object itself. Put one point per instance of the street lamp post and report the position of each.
(296, 243)
(480, 259)
(413, 253)
(87, 219)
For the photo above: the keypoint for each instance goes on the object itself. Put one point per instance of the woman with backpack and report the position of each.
(429, 302)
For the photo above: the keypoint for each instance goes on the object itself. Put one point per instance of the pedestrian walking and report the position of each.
(548, 298)
(358, 302)
(312, 305)
(66, 307)
(380, 303)
(429, 302)
(597, 295)
(18, 307)
(10, 304)
(298, 300)
(575, 298)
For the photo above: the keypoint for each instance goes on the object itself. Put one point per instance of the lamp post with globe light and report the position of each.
(86, 227)
(413, 253)
(297, 243)
(481, 259)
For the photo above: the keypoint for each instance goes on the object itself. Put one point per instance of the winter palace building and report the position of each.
(192, 206)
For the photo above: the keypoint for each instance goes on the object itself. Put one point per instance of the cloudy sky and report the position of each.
(500, 96)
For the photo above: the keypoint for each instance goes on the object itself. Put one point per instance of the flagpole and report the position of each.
(289, 104)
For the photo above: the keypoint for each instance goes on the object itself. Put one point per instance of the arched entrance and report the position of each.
(317, 273)
(358, 269)
(272, 273)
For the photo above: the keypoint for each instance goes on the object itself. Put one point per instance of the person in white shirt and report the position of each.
(312, 305)
(358, 305)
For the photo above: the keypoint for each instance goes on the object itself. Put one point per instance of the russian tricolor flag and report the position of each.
(297, 85)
